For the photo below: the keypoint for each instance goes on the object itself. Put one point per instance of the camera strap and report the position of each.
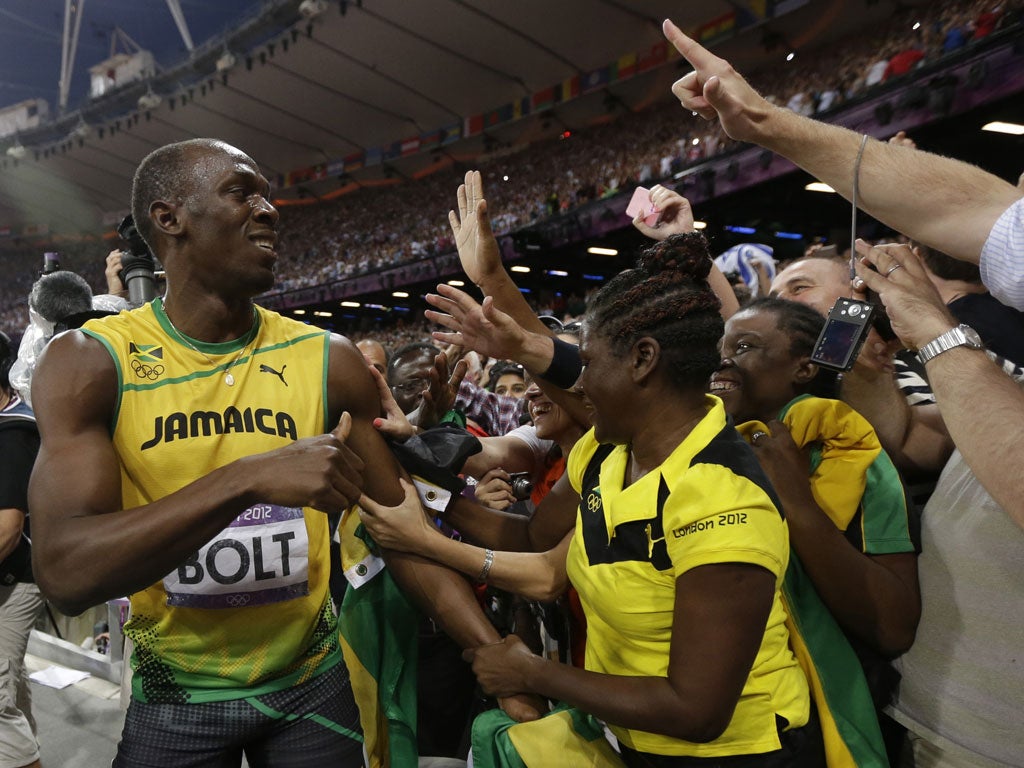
(853, 201)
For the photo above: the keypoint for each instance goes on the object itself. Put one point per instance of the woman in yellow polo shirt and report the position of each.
(678, 550)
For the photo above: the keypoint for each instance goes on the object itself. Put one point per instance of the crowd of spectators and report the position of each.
(375, 228)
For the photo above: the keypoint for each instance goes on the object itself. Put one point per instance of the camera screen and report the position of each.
(834, 345)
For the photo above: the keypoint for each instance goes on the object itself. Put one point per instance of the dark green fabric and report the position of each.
(380, 625)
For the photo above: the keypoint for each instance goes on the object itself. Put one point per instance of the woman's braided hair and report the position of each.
(667, 298)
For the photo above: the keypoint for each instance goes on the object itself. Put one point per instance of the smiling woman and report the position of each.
(851, 589)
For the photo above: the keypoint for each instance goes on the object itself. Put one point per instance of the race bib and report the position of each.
(262, 557)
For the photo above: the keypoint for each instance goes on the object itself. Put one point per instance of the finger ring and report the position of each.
(754, 437)
(893, 269)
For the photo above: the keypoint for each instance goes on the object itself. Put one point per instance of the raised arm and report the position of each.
(75, 492)
(941, 202)
(982, 407)
(480, 254)
(485, 328)
(675, 217)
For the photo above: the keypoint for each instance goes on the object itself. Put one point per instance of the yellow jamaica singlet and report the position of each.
(249, 612)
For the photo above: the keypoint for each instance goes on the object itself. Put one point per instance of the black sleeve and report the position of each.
(18, 447)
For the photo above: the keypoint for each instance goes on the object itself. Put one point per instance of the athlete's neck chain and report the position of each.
(229, 379)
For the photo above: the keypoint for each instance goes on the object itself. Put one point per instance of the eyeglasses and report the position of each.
(556, 325)
(411, 387)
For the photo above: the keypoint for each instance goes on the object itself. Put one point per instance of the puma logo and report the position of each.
(651, 541)
(264, 368)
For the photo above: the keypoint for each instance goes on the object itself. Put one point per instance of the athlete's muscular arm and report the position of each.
(438, 591)
(75, 491)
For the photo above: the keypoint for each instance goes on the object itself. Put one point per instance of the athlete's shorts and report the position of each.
(311, 725)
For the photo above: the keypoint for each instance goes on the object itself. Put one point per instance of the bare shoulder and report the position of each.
(74, 383)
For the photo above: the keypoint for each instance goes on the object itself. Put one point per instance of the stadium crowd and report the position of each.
(374, 228)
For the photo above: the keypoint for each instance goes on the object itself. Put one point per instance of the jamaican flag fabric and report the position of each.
(855, 484)
(565, 736)
(378, 640)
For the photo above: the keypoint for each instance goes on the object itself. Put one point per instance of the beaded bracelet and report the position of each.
(488, 562)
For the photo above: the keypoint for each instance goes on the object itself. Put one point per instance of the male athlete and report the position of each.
(191, 450)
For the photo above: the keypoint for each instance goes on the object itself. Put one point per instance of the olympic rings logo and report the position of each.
(144, 371)
(238, 600)
(594, 502)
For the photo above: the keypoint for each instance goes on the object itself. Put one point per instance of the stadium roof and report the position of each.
(372, 78)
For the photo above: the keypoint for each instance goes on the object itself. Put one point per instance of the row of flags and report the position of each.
(580, 84)
(625, 67)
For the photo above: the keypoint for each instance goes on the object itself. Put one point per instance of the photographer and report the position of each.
(59, 299)
(54, 296)
(136, 272)
(20, 601)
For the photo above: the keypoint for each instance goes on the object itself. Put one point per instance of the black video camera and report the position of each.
(51, 263)
(138, 266)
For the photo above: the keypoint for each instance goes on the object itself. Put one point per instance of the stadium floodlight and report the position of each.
(81, 130)
(149, 100)
(310, 9)
(226, 61)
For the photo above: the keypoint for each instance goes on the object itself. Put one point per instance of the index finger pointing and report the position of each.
(691, 50)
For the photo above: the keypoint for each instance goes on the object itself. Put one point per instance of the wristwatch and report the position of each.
(961, 336)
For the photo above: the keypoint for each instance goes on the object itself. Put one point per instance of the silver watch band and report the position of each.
(960, 336)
